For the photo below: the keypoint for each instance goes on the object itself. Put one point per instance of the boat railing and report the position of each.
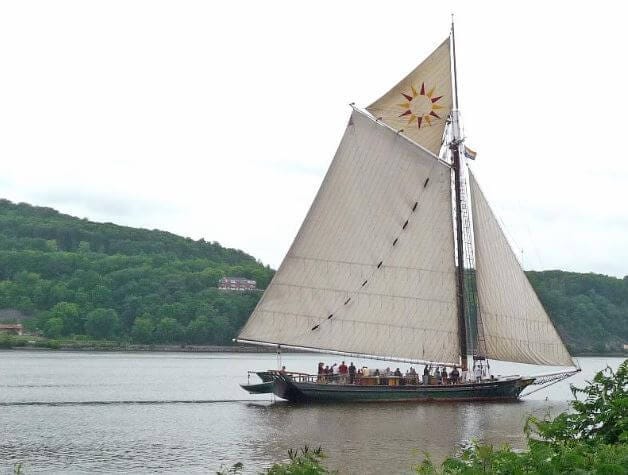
(379, 380)
(295, 375)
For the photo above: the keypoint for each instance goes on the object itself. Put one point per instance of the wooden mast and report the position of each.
(454, 146)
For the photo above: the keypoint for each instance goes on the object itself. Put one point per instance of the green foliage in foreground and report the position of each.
(75, 277)
(591, 439)
(539, 459)
(301, 462)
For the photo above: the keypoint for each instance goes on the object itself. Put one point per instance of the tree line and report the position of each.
(76, 277)
(590, 311)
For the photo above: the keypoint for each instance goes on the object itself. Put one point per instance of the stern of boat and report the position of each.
(284, 387)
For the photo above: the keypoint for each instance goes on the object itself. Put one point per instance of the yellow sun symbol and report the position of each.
(420, 106)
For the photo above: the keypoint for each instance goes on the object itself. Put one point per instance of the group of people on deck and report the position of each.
(343, 374)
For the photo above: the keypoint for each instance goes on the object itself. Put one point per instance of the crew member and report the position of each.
(351, 373)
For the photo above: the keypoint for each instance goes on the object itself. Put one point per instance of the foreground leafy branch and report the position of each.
(591, 439)
(302, 462)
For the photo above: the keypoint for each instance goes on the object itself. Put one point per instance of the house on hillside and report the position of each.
(12, 328)
(236, 283)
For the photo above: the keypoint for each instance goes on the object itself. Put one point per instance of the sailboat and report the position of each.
(401, 258)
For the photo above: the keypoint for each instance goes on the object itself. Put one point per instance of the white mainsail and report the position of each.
(515, 325)
(371, 271)
(421, 102)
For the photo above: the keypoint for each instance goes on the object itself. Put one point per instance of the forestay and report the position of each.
(371, 271)
(515, 325)
(420, 103)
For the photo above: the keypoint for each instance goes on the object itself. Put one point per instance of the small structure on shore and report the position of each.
(236, 283)
(12, 328)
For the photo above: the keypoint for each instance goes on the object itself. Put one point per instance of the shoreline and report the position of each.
(151, 348)
(134, 348)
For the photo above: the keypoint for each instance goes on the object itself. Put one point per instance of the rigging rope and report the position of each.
(547, 381)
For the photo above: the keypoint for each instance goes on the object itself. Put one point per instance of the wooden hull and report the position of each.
(498, 390)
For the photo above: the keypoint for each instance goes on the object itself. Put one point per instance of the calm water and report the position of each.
(183, 412)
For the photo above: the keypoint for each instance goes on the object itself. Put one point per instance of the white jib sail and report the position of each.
(420, 103)
(515, 324)
(371, 271)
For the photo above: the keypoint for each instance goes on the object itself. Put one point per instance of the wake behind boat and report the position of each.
(400, 258)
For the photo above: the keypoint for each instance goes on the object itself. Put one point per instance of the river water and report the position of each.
(79, 412)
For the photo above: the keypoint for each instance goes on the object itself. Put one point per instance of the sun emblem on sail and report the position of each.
(421, 106)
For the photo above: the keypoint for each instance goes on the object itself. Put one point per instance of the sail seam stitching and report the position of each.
(357, 292)
(365, 264)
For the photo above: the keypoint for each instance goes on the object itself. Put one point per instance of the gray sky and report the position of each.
(219, 119)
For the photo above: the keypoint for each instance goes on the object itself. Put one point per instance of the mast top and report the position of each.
(453, 50)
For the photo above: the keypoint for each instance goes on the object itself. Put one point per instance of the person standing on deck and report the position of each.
(426, 375)
(465, 376)
(351, 373)
(342, 371)
(321, 371)
(478, 373)
(455, 375)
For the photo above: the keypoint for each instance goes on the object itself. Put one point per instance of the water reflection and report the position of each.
(388, 437)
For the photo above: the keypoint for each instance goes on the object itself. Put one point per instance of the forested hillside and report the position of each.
(590, 311)
(75, 277)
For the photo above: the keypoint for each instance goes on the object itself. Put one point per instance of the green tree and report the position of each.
(102, 323)
(198, 330)
(53, 327)
(69, 314)
(143, 330)
(168, 330)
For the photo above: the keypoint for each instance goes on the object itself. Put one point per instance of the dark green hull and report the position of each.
(260, 388)
(265, 387)
(504, 390)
